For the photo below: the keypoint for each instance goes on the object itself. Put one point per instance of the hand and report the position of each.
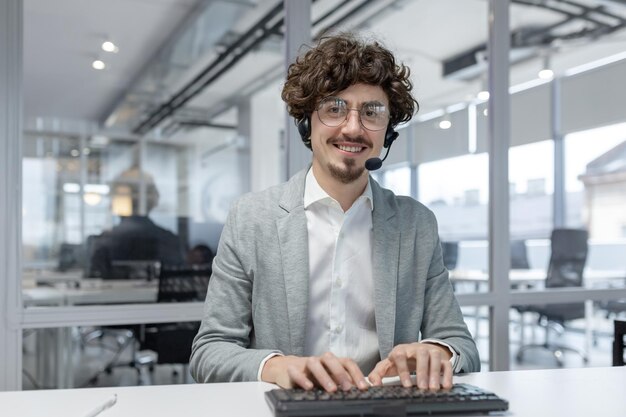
(430, 362)
(326, 371)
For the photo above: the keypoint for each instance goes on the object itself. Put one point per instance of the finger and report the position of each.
(379, 371)
(399, 359)
(299, 378)
(422, 359)
(315, 367)
(337, 371)
(355, 373)
(446, 379)
(434, 378)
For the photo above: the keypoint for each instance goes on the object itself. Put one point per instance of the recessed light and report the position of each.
(109, 46)
(98, 65)
(483, 95)
(445, 124)
(546, 74)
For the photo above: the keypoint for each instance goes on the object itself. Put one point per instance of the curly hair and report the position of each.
(338, 62)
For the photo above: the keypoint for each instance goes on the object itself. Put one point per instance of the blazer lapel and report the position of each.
(386, 252)
(294, 250)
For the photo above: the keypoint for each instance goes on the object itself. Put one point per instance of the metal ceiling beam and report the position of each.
(544, 36)
(269, 25)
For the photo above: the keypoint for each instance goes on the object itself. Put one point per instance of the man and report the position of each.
(136, 238)
(329, 277)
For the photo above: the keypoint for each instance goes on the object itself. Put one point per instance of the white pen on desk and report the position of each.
(105, 406)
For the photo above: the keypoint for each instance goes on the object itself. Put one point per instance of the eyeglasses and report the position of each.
(333, 111)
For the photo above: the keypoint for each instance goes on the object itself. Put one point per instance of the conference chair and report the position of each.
(568, 256)
(172, 341)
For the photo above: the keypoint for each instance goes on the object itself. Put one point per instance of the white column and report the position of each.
(244, 127)
(499, 134)
(266, 154)
(11, 23)
(297, 33)
(559, 210)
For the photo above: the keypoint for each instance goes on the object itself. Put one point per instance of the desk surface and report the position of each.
(597, 392)
(93, 291)
(590, 276)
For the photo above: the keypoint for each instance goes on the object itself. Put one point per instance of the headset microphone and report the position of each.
(373, 164)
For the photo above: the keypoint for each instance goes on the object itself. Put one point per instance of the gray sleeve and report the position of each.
(443, 319)
(220, 351)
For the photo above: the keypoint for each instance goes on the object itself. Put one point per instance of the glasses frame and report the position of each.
(322, 101)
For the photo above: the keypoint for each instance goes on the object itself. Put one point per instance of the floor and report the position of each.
(93, 355)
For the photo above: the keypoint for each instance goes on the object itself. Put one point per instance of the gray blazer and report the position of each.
(256, 303)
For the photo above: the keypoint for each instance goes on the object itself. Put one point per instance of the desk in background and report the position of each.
(585, 392)
(55, 346)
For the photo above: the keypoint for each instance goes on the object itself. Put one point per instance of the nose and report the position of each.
(352, 126)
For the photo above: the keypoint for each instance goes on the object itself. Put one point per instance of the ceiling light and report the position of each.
(483, 95)
(445, 124)
(546, 74)
(109, 46)
(98, 65)
(74, 152)
(92, 199)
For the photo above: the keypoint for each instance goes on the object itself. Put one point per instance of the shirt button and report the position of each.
(339, 328)
(338, 282)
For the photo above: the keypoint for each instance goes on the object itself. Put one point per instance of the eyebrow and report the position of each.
(365, 103)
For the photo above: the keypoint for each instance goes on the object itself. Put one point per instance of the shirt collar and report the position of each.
(313, 192)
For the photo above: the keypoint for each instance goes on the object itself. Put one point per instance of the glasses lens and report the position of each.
(374, 116)
(332, 111)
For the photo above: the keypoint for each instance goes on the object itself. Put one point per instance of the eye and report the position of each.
(333, 109)
(372, 111)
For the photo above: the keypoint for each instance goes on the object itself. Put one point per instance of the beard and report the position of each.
(348, 173)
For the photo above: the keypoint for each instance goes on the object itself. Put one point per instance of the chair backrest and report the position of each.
(179, 284)
(519, 255)
(568, 256)
(450, 254)
(618, 342)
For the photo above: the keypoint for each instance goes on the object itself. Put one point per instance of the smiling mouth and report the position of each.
(351, 149)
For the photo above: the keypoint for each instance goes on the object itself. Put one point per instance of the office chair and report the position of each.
(519, 255)
(450, 254)
(568, 256)
(618, 342)
(172, 341)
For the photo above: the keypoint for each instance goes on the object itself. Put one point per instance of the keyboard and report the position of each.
(389, 400)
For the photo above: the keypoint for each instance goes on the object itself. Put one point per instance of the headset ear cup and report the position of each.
(390, 136)
(304, 129)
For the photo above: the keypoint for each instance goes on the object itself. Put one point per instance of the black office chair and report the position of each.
(567, 261)
(519, 255)
(172, 341)
(619, 344)
(450, 254)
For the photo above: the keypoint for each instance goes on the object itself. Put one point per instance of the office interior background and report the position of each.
(167, 110)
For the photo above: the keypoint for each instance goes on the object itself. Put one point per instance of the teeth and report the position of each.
(350, 148)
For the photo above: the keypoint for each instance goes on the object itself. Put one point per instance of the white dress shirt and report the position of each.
(340, 316)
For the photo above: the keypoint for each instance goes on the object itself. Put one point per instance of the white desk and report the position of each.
(55, 346)
(93, 291)
(591, 277)
(597, 392)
